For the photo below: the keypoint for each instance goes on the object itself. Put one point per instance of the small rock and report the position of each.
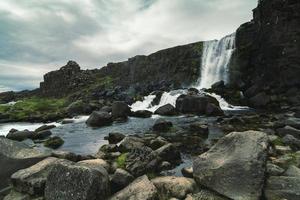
(165, 165)
(99, 119)
(162, 125)
(107, 148)
(54, 142)
(114, 138)
(141, 114)
(187, 172)
(158, 142)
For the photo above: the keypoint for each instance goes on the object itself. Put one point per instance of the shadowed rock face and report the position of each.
(267, 48)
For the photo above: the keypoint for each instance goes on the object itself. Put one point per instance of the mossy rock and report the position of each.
(54, 142)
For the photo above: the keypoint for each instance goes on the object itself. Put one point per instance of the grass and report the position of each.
(33, 107)
(121, 160)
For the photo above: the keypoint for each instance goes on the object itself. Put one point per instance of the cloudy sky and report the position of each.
(37, 36)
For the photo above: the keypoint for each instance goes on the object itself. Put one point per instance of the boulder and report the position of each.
(54, 142)
(162, 125)
(14, 156)
(41, 135)
(129, 143)
(114, 138)
(288, 130)
(235, 165)
(66, 155)
(95, 163)
(282, 187)
(99, 119)
(141, 188)
(292, 171)
(44, 127)
(205, 195)
(141, 114)
(157, 142)
(32, 180)
(76, 181)
(177, 187)
(120, 179)
(197, 104)
(260, 100)
(169, 153)
(79, 108)
(20, 135)
(107, 109)
(166, 110)
(199, 129)
(293, 142)
(120, 110)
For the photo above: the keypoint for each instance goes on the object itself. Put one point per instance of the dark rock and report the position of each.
(107, 148)
(79, 108)
(54, 142)
(293, 142)
(15, 156)
(44, 128)
(177, 187)
(169, 153)
(140, 188)
(130, 143)
(162, 125)
(199, 129)
(98, 119)
(260, 100)
(166, 110)
(193, 91)
(41, 135)
(114, 138)
(187, 172)
(218, 85)
(288, 130)
(120, 110)
(74, 181)
(20, 135)
(157, 142)
(165, 165)
(141, 114)
(274, 170)
(106, 109)
(234, 163)
(213, 110)
(120, 179)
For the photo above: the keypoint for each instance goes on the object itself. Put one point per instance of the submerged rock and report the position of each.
(162, 125)
(141, 114)
(166, 110)
(141, 188)
(54, 142)
(235, 166)
(14, 156)
(20, 135)
(99, 119)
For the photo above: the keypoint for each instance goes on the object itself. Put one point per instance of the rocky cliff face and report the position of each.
(268, 47)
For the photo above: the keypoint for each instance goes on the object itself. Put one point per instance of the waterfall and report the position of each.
(215, 60)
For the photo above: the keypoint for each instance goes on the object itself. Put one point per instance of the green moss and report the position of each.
(121, 160)
(278, 142)
(152, 175)
(4, 108)
(54, 142)
(198, 47)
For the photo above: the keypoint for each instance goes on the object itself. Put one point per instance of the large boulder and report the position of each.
(235, 165)
(198, 104)
(99, 119)
(288, 130)
(162, 125)
(32, 180)
(166, 110)
(77, 181)
(120, 179)
(176, 187)
(130, 143)
(141, 188)
(141, 114)
(114, 138)
(20, 135)
(120, 110)
(15, 156)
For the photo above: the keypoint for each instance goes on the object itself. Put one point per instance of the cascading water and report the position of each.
(215, 60)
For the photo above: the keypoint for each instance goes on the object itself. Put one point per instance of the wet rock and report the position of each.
(54, 142)
(44, 128)
(141, 188)
(120, 179)
(107, 148)
(99, 119)
(32, 180)
(141, 114)
(162, 125)
(114, 138)
(120, 110)
(235, 165)
(288, 130)
(169, 153)
(14, 156)
(20, 135)
(282, 187)
(74, 181)
(177, 187)
(274, 170)
(187, 172)
(166, 110)
(41, 135)
(199, 129)
(157, 143)
(67, 121)
(129, 143)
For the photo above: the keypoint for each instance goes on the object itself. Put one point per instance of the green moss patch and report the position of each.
(121, 160)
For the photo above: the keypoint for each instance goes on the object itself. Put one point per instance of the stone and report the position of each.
(274, 170)
(292, 171)
(141, 114)
(177, 187)
(120, 110)
(41, 135)
(282, 187)
(114, 138)
(157, 143)
(235, 165)
(162, 125)
(260, 100)
(44, 128)
(99, 119)
(281, 150)
(67, 121)
(54, 142)
(14, 195)
(288, 130)
(107, 109)
(15, 156)
(65, 155)
(166, 110)
(20, 135)
(140, 188)
(107, 148)
(129, 143)
(200, 129)
(78, 182)
(169, 153)
(187, 172)
(120, 179)
(293, 142)
(32, 180)
(165, 165)
(205, 195)
(95, 163)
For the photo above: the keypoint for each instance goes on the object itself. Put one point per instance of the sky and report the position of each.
(37, 36)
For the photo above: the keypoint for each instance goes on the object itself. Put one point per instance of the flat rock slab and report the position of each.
(15, 156)
(235, 166)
